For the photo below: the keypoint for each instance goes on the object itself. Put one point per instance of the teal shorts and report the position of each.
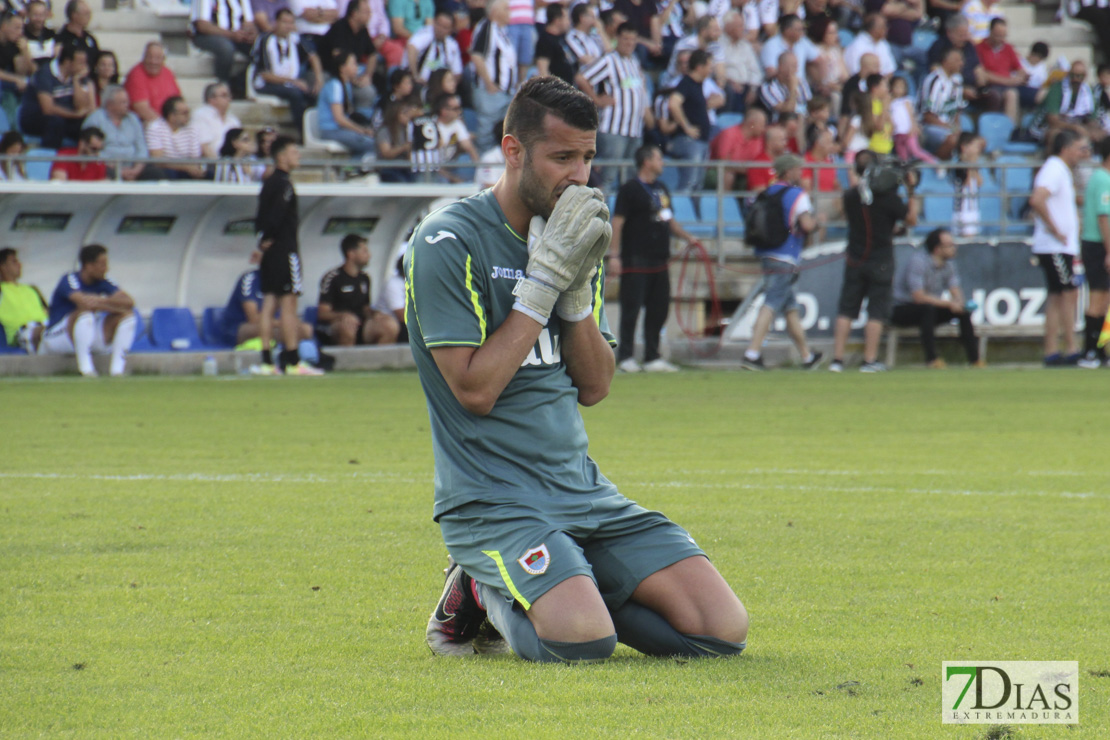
(523, 547)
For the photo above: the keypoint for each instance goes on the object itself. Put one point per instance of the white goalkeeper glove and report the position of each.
(559, 250)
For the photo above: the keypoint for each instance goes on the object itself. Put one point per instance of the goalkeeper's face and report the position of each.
(561, 157)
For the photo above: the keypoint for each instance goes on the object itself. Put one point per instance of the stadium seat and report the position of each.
(1018, 184)
(990, 212)
(669, 177)
(996, 129)
(967, 123)
(686, 215)
(846, 37)
(210, 327)
(309, 315)
(39, 170)
(253, 94)
(5, 124)
(734, 222)
(312, 138)
(724, 120)
(931, 182)
(923, 38)
(470, 118)
(175, 329)
(8, 349)
(938, 210)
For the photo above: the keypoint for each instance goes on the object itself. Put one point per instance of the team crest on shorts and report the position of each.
(536, 560)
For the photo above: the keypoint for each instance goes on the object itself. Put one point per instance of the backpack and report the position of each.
(765, 224)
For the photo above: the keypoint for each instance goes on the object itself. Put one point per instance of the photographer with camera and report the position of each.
(875, 212)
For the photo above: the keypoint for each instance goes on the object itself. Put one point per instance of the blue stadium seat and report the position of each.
(686, 215)
(175, 329)
(39, 170)
(210, 327)
(309, 315)
(846, 37)
(967, 123)
(923, 38)
(724, 120)
(734, 222)
(669, 177)
(931, 182)
(470, 118)
(5, 124)
(142, 336)
(990, 213)
(996, 128)
(9, 349)
(938, 210)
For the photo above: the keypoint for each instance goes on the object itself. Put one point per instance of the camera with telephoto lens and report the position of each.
(889, 173)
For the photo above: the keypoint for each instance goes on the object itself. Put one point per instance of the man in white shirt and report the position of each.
(1056, 242)
(743, 75)
(314, 18)
(214, 119)
(171, 137)
(791, 37)
(871, 40)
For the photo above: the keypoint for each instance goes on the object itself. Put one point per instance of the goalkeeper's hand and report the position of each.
(578, 231)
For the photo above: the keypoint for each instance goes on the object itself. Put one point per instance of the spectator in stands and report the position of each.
(1056, 242)
(687, 106)
(406, 17)
(150, 83)
(12, 145)
(903, 119)
(492, 162)
(643, 224)
(707, 37)
(393, 142)
(171, 137)
(40, 39)
(287, 68)
(223, 28)
(972, 74)
(832, 70)
(16, 62)
(871, 40)
(775, 144)
(673, 17)
(968, 183)
(1035, 65)
(875, 123)
(54, 103)
(869, 263)
(1069, 106)
(401, 85)
(740, 143)
(344, 317)
(902, 17)
(75, 32)
(919, 289)
(1004, 72)
(980, 14)
(265, 13)
(495, 65)
(438, 138)
(857, 83)
(23, 310)
(89, 144)
(263, 165)
(1096, 14)
(350, 34)
(89, 313)
(644, 17)
(553, 56)
(791, 37)
(335, 112)
(1095, 249)
(941, 98)
(123, 137)
(241, 319)
(522, 33)
(104, 74)
(822, 184)
(786, 91)
(616, 85)
(779, 265)
(238, 147)
(280, 268)
(432, 47)
(610, 20)
(214, 119)
(743, 73)
(313, 19)
(584, 37)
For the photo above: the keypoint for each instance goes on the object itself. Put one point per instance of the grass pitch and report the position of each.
(255, 558)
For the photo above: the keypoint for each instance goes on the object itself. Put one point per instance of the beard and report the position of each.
(533, 193)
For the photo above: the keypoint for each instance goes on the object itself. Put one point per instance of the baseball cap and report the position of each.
(785, 162)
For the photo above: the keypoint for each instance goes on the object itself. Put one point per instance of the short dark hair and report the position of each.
(997, 22)
(170, 104)
(555, 12)
(352, 8)
(606, 16)
(865, 159)
(445, 13)
(788, 21)
(1040, 48)
(950, 51)
(442, 101)
(10, 139)
(873, 81)
(90, 253)
(69, 51)
(703, 22)
(280, 144)
(71, 8)
(1064, 139)
(89, 133)
(932, 239)
(577, 12)
(6, 254)
(644, 153)
(284, 11)
(627, 27)
(698, 57)
(1103, 149)
(870, 20)
(351, 242)
(1103, 67)
(541, 96)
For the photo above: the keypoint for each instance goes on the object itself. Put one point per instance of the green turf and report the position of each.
(255, 558)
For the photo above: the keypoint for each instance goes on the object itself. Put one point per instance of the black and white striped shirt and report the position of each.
(623, 80)
(427, 150)
(1074, 6)
(584, 44)
(941, 95)
(282, 57)
(432, 54)
(493, 45)
(773, 93)
(229, 15)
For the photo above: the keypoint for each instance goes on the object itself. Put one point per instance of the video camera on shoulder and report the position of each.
(881, 174)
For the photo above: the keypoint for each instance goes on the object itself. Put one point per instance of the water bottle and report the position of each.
(1079, 274)
(210, 366)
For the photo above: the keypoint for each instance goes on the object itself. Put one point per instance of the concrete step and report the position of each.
(192, 66)
(127, 45)
(1018, 16)
(136, 20)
